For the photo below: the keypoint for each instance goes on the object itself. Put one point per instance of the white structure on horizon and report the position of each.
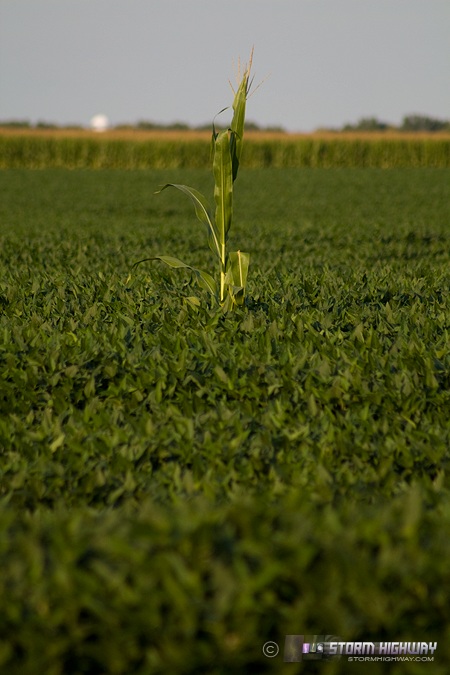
(99, 123)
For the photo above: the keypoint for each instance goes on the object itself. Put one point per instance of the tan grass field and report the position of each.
(187, 135)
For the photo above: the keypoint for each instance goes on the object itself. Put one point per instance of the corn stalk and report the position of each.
(226, 155)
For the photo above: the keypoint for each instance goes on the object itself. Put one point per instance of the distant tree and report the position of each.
(41, 124)
(16, 124)
(178, 126)
(145, 125)
(252, 126)
(423, 123)
(275, 129)
(367, 124)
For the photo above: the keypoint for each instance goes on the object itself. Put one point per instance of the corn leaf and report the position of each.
(238, 121)
(202, 211)
(239, 105)
(223, 188)
(233, 153)
(238, 263)
(236, 277)
(237, 294)
(204, 279)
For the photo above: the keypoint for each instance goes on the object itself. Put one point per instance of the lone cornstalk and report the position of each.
(226, 155)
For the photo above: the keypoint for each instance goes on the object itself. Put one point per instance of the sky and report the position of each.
(322, 63)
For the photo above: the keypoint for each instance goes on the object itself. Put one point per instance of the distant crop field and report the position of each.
(186, 134)
(179, 486)
(34, 148)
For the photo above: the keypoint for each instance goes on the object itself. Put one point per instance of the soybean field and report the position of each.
(180, 485)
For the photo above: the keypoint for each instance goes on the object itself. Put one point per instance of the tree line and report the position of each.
(410, 123)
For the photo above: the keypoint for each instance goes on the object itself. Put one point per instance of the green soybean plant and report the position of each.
(226, 155)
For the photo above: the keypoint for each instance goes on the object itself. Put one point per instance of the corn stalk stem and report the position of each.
(222, 273)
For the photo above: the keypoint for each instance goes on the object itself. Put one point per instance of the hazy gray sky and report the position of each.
(329, 61)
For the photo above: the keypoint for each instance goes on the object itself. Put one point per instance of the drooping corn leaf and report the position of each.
(204, 279)
(202, 211)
